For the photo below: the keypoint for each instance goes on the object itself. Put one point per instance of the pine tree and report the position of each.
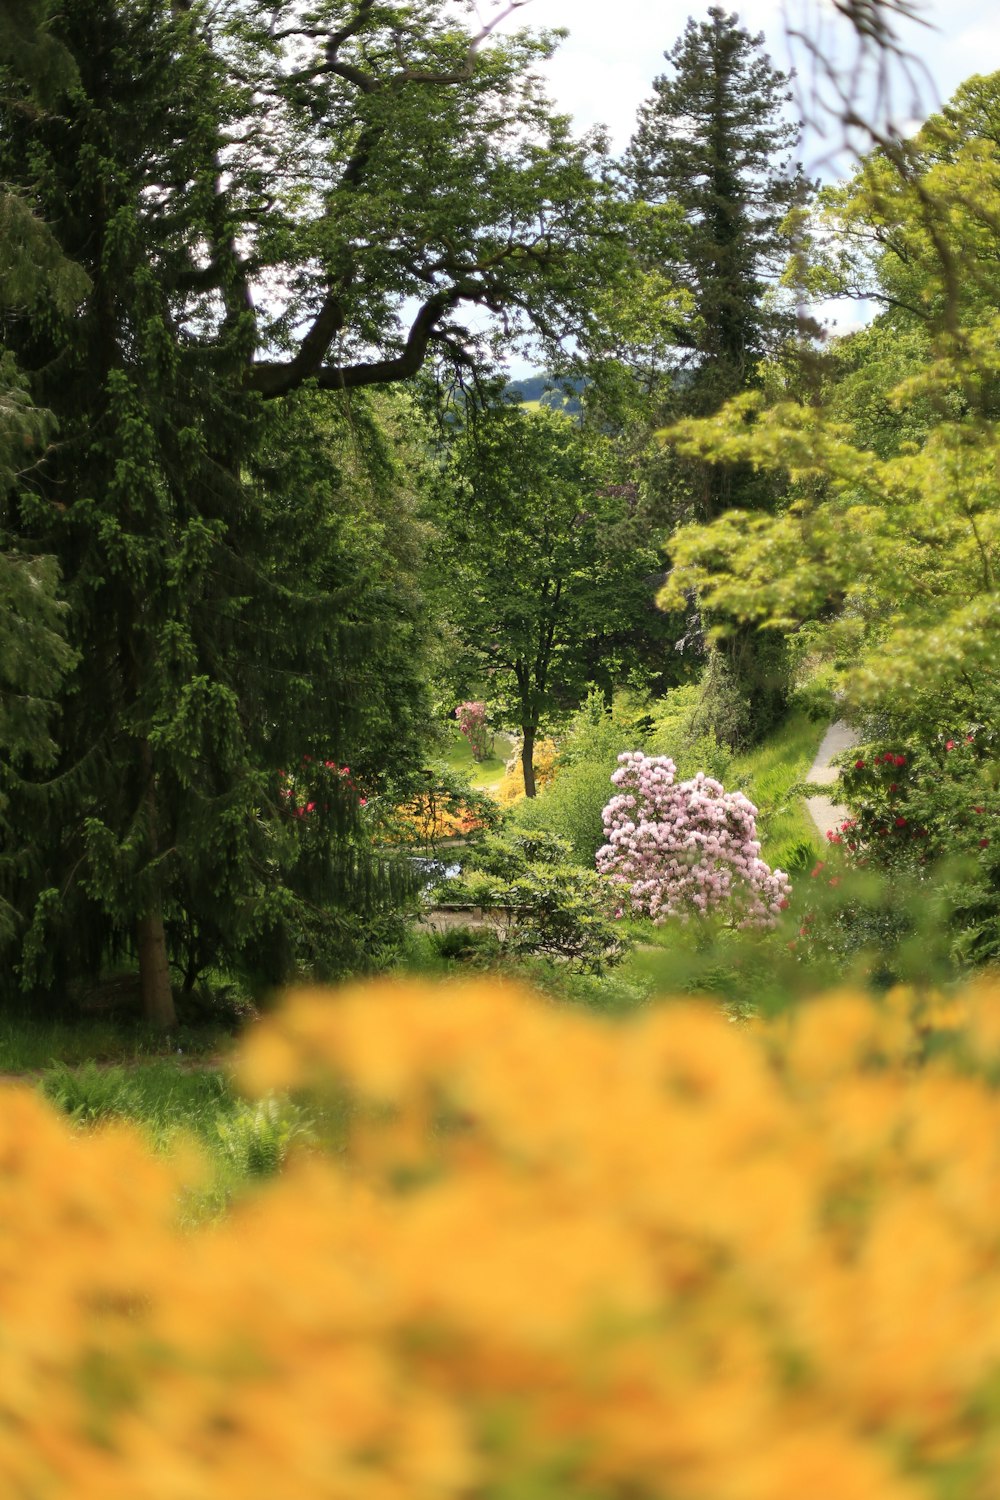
(714, 143)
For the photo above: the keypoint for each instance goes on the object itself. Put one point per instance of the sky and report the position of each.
(605, 68)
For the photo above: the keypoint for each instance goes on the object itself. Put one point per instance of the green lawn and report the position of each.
(485, 775)
(769, 775)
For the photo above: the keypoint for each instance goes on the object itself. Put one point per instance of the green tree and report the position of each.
(544, 568)
(711, 164)
(714, 143)
(255, 199)
(892, 529)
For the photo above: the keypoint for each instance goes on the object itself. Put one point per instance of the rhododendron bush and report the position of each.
(472, 723)
(686, 848)
(669, 1258)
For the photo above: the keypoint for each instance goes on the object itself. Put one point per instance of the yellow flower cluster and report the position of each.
(558, 1258)
(429, 819)
(545, 759)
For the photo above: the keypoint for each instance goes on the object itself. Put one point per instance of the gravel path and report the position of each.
(826, 813)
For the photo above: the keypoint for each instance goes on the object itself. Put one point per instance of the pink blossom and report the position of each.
(688, 847)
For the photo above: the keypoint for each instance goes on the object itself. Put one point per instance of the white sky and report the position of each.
(604, 70)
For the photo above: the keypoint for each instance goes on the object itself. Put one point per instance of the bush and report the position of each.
(537, 903)
(930, 811)
(557, 1258)
(689, 848)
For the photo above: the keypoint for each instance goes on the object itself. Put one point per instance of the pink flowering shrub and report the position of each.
(472, 722)
(686, 848)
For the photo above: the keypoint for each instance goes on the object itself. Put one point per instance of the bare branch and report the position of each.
(273, 380)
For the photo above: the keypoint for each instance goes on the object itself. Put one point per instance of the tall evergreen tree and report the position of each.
(253, 196)
(713, 144)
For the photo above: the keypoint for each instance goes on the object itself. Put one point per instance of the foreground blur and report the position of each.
(561, 1258)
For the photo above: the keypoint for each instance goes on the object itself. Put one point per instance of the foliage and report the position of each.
(710, 161)
(589, 746)
(215, 182)
(538, 903)
(892, 520)
(686, 848)
(472, 723)
(715, 141)
(919, 810)
(744, 1313)
(544, 567)
(544, 762)
(444, 807)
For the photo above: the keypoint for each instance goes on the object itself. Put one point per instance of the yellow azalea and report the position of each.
(666, 1259)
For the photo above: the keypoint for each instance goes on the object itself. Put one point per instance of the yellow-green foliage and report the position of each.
(893, 506)
(673, 1258)
(511, 788)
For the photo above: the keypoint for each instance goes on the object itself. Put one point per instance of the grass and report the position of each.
(28, 1045)
(238, 1140)
(771, 775)
(485, 775)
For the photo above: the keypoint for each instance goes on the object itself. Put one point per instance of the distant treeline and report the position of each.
(544, 389)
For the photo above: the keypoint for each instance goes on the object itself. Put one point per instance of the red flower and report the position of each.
(814, 872)
(834, 880)
(949, 744)
(899, 760)
(783, 905)
(900, 822)
(834, 838)
(978, 809)
(893, 786)
(983, 843)
(859, 765)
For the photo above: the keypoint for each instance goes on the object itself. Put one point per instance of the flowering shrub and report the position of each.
(686, 848)
(545, 759)
(909, 806)
(300, 792)
(928, 806)
(429, 818)
(472, 723)
(670, 1258)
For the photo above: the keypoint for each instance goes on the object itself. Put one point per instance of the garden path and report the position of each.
(826, 813)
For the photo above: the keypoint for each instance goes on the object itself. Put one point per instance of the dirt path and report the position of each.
(826, 813)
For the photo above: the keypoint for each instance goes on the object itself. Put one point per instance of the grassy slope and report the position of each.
(486, 775)
(768, 774)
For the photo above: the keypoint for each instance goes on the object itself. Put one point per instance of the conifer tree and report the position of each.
(714, 141)
(253, 195)
(714, 144)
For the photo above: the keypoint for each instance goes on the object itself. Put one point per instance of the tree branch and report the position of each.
(273, 380)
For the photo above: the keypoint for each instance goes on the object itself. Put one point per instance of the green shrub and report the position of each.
(539, 904)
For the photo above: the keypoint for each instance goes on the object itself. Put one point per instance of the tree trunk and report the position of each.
(154, 971)
(528, 760)
(151, 941)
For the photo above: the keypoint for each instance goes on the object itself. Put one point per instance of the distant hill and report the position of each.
(542, 390)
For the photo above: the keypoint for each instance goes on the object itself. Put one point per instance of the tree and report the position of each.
(711, 159)
(714, 142)
(888, 552)
(253, 198)
(544, 567)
